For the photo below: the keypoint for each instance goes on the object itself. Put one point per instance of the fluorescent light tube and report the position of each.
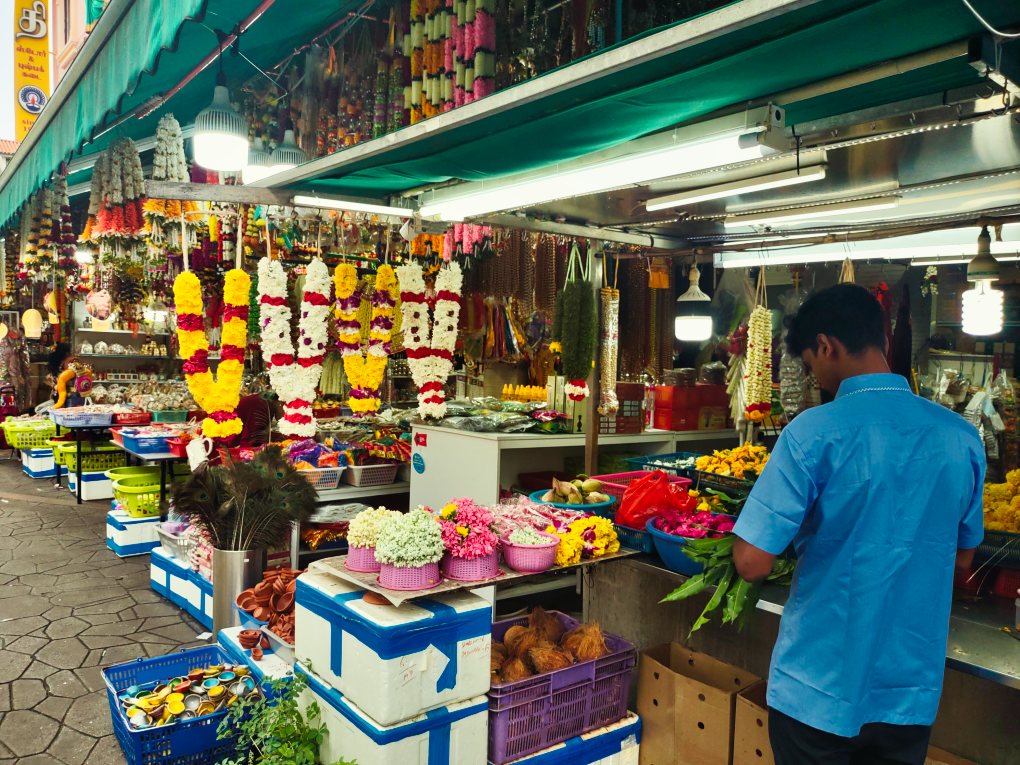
(326, 203)
(929, 255)
(807, 213)
(572, 180)
(746, 186)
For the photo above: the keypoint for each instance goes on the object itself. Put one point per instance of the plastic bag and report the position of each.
(650, 496)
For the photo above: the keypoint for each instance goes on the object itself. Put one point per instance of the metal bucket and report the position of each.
(233, 572)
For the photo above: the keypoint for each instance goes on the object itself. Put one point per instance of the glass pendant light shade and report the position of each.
(982, 309)
(259, 165)
(693, 322)
(221, 135)
(287, 155)
(31, 322)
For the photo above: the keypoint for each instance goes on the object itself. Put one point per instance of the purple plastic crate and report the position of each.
(540, 711)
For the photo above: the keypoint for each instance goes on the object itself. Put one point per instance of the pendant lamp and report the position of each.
(982, 306)
(258, 166)
(287, 155)
(693, 322)
(31, 322)
(221, 134)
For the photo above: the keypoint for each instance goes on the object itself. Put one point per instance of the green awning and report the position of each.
(788, 51)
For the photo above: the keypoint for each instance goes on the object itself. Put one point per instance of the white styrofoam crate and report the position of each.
(616, 744)
(128, 536)
(270, 666)
(94, 485)
(159, 571)
(186, 590)
(393, 663)
(456, 734)
(38, 463)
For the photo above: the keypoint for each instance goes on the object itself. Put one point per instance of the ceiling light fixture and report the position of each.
(326, 203)
(221, 134)
(982, 306)
(287, 155)
(718, 143)
(793, 214)
(693, 323)
(258, 166)
(746, 186)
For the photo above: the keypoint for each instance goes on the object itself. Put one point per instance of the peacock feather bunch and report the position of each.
(246, 505)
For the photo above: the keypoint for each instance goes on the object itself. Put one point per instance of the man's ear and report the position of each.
(825, 346)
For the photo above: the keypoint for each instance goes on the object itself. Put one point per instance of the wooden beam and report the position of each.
(208, 192)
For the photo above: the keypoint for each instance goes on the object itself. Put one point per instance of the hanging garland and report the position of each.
(576, 328)
(365, 370)
(294, 375)
(759, 357)
(430, 344)
(609, 348)
(219, 395)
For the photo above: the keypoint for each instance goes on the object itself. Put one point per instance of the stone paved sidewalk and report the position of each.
(68, 607)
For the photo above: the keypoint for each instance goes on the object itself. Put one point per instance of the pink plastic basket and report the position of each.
(615, 484)
(362, 560)
(531, 559)
(407, 579)
(475, 570)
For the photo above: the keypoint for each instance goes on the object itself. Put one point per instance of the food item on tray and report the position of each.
(744, 462)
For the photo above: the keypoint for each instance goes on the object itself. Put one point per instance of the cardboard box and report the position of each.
(941, 757)
(687, 701)
(751, 728)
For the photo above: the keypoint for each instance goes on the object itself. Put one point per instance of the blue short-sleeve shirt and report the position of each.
(876, 491)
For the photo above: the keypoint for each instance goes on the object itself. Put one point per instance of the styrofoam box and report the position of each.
(38, 463)
(616, 744)
(394, 663)
(159, 571)
(128, 536)
(94, 485)
(452, 735)
(270, 666)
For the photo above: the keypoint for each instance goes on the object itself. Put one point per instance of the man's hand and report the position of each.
(753, 564)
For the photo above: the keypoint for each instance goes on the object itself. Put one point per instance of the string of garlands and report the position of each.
(758, 366)
(294, 374)
(365, 370)
(218, 396)
(575, 329)
(430, 344)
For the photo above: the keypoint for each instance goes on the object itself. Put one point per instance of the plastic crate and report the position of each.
(30, 436)
(170, 415)
(615, 484)
(94, 457)
(146, 444)
(69, 419)
(537, 712)
(370, 475)
(634, 539)
(178, 546)
(138, 494)
(132, 418)
(1007, 584)
(323, 478)
(189, 742)
(656, 462)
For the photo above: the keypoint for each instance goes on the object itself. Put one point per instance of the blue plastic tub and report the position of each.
(671, 550)
(601, 508)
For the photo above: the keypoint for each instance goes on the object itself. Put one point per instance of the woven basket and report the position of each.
(408, 579)
(362, 560)
(474, 570)
(531, 559)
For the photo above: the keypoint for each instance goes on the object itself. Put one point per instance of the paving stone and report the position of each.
(64, 654)
(39, 670)
(26, 732)
(25, 644)
(104, 641)
(14, 591)
(179, 633)
(23, 626)
(71, 747)
(115, 655)
(21, 607)
(65, 683)
(54, 706)
(39, 759)
(12, 665)
(107, 752)
(112, 628)
(99, 619)
(57, 612)
(66, 627)
(26, 694)
(91, 678)
(5, 697)
(90, 714)
(155, 610)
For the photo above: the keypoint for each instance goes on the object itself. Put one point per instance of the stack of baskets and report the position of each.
(136, 489)
(28, 434)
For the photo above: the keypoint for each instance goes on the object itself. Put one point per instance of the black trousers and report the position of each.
(794, 743)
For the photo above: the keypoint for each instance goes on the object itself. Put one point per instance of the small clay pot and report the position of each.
(279, 585)
(196, 676)
(262, 587)
(262, 614)
(256, 653)
(283, 602)
(264, 643)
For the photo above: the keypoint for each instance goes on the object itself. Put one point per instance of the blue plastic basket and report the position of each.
(189, 742)
(601, 508)
(147, 444)
(671, 550)
(635, 539)
(659, 462)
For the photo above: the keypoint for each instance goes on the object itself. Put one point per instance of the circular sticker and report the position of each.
(418, 463)
(32, 99)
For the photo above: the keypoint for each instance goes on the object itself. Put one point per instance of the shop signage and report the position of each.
(31, 71)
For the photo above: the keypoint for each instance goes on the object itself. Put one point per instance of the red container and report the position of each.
(663, 419)
(178, 448)
(664, 396)
(117, 436)
(1007, 584)
(132, 418)
(615, 484)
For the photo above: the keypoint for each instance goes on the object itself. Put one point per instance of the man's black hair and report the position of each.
(846, 312)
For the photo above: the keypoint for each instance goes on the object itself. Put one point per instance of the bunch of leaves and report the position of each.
(246, 505)
(576, 327)
(736, 595)
(271, 730)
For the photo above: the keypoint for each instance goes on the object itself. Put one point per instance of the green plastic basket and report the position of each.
(138, 494)
(170, 415)
(35, 435)
(133, 471)
(95, 457)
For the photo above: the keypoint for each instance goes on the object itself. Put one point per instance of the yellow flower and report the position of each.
(236, 287)
(235, 333)
(386, 280)
(448, 510)
(188, 293)
(345, 280)
(462, 530)
(555, 347)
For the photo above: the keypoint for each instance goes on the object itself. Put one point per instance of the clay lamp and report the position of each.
(283, 602)
(174, 697)
(192, 702)
(175, 707)
(196, 676)
(256, 653)
(206, 708)
(262, 613)
(227, 677)
(139, 720)
(279, 586)
(209, 683)
(187, 714)
(182, 687)
(216, 692)
(262, 588)
(241, 671)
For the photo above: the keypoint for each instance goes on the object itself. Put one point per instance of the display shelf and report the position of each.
(362, 492)
(121, 332)
(132, 356)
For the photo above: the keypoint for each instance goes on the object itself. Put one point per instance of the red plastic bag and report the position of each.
(649, 497)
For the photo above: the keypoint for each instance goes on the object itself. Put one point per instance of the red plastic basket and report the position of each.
(474, 570)
(409, 579)
(1008, 583)
(531, 559)
(546, 709)
(178, 448)
(362, 560)
(117, 436)
(132, 418)
(615, 484)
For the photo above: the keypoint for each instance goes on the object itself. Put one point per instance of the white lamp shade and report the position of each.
(31, 322)
(982, 310)
(693, 329)
(221, 135)
(258, 166)
(287, 155)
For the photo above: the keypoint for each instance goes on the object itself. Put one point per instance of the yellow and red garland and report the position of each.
(218, 396)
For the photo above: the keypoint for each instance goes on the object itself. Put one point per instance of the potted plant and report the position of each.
(244, 508)
(362, 535)
(472, 551)
(408, 549)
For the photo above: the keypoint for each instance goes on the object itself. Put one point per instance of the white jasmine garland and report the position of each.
(411, 541)
(364, 530)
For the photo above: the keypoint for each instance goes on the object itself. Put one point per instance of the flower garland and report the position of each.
(467, 529)
(430, 345)
(576, 328)
(590, 537)
(759, 365)
(413, 540)
(365, 370)
(294, 375)
(219, 395)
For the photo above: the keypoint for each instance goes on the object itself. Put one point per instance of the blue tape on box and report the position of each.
(588, 749)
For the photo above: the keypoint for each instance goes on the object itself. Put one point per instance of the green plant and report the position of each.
(271, 729)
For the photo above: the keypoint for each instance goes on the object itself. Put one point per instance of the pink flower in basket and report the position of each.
(468, 529)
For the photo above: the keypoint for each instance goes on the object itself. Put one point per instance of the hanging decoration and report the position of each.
(430, 344)
(759, 357)
(169, 163)
(294, 375)
(609, 346)
(576, 327)
(365, 370)
(117, 197)
(218, 396)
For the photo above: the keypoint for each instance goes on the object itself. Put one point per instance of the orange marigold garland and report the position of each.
(218, 396)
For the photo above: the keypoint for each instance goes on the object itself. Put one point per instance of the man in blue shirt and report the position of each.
(880, 494)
